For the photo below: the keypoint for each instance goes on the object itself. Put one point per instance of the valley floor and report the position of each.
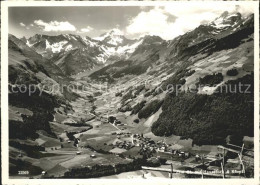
(102, 143)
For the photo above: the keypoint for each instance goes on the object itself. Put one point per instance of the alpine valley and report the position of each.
(132, 101)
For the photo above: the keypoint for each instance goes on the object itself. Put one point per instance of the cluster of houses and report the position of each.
(111, 119)
(159, 146)
(121, 134)
(147, 144)
(140, 140)
(144, 142)
(123, 144)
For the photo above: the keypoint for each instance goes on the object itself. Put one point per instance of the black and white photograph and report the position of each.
(131, 91)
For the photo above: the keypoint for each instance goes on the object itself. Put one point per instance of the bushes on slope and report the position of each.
(211, 80)
(208, 119)
(42, 106)
(138, 107)
(232, 72)
(150, 109)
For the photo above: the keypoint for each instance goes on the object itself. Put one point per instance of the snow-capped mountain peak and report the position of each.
(112, 33)
(116, 31)
(114, 37)
(111, 44)
(226, 19)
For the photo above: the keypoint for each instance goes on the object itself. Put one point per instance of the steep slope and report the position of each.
(205, 68)
(18, 45)
(32, 102)
(204, 39)
(75, 61)
(200, 63)
(221, 27)
(24, 73)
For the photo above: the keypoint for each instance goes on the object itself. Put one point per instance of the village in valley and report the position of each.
(106, 143)
(166, 158)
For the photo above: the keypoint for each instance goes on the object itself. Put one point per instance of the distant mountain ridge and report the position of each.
(204, 39)
(114, 46)
(91, 52)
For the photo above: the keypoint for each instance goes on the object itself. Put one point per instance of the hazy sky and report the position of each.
(167, 22)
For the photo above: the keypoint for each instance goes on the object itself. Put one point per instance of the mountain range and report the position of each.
(87, 53)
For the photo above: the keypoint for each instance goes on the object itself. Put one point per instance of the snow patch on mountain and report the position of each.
(112, 33)
(226, 20)
(68, 47)
(114, 37)
(55, 47)
(128, 48)
(89, 42)
(101, 58)
(28, 43)
(115, 40)
(108, 51)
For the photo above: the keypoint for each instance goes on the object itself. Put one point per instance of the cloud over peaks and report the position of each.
(171, 21)
(87, 29)
(22, 24)
(54, 26)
